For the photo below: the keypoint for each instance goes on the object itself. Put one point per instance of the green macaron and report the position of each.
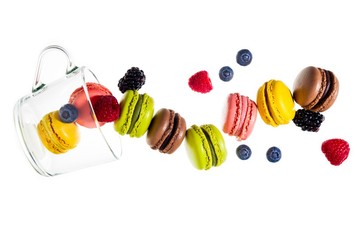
(136, 113)
(205, 146)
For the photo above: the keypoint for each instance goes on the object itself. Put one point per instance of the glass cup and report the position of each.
(96, 145)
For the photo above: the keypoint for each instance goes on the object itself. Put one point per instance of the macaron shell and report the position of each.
(79, 100)
(56, 136)
(233, 116)
(160, 127)
(307, 86)
(250, 120)
(280, 102)
(243, 115)
(262, 106)
(178, 137)
(144, 120)
(217, 142)
(329, 95)
(198, 148)
(127, 106)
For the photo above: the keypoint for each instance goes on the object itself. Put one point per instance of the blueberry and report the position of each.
(68, 113)
(243, 152)
(226, 73)
(244, 57)
(273, 154)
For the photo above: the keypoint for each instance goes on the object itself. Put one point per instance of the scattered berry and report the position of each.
(106, 108)
(200, 82)
(226, 73)
(243, 152)
(244, 57)
(308, 120)
(273, 154)
(336, 150)
(68, 113)
(133, 79)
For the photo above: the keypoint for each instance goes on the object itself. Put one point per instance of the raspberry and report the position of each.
(106, 108)
(133, 79)
(200, 82)
(308, 120)
(336, 150)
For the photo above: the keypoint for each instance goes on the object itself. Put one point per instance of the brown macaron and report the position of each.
(315, 89)
(166, 131)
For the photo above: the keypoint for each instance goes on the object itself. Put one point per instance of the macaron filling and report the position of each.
(213, 153)
(172, 133)
(136, 113)
(328, 77)
(238, 114)
(268, 103)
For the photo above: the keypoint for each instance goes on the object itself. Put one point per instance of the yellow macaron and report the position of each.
(275, 103)
(57, 136)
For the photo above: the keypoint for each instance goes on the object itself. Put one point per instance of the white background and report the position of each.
(149, 195)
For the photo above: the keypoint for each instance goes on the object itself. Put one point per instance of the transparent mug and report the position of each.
(96, 145)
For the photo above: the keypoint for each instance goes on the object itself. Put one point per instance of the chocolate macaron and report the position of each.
(315, 89)
(166, 131)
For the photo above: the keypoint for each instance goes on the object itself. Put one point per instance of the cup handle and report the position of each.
(70, 66)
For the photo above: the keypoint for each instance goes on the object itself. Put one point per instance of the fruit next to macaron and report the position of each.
(133, 79)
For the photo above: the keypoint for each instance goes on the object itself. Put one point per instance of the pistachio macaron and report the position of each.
(136, 113)
(205, 146)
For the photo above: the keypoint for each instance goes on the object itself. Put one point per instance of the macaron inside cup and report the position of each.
(56, 135)
(241, 114)
(166, 131)
(80, 100)
(315, 89)
(136, 114)
(275, 103)
(205, 146)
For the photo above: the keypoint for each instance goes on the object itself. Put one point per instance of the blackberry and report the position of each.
(308, 120)
(133, 79)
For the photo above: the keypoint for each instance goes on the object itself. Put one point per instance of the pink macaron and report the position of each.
(80, 100)
(240, 116)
